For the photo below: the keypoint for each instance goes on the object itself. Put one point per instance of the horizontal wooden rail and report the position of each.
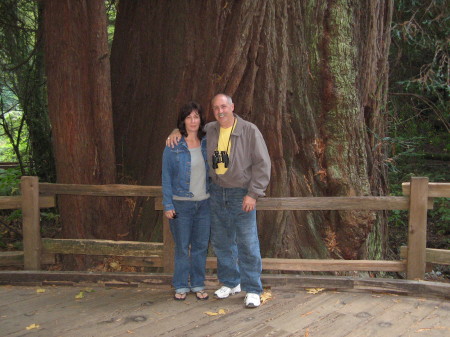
(332, 265)
(15, 202)
(432, 255)
(102, 190)
(435, 190)
(7, 165)
(101, 247)
(327, 203)
(151, 254)
(16, 258)
(334, 203)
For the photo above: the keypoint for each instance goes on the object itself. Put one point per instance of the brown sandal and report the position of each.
(179, 296)
(201, 295)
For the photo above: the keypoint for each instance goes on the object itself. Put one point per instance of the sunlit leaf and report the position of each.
(32, 326)
(80, 295)
(210, 313)
(266, 296)
(219, 312)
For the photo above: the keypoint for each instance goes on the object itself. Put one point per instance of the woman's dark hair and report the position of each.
(186, 111)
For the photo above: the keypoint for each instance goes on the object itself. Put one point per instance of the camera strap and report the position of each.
(229, 138)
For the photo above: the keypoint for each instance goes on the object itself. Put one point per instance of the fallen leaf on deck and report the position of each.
(129, 331)
(40, 290)
(80, 295)
(433, 328)
(266, 296)
(314, 290)
(32, 326)
(307, 314)
(220, 312)
(89, 290)
(114, 265)
(210, 313)
(307, 333)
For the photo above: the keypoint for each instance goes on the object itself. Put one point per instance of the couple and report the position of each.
(235, 155)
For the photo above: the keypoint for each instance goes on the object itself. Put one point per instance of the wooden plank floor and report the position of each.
(152, 312)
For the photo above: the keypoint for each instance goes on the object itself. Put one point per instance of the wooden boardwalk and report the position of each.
(150, 311)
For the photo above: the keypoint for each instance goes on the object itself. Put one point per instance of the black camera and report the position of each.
(220, 157)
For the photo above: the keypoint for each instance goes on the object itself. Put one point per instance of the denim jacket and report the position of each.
(176, 172)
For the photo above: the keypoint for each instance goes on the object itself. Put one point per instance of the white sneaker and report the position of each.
(224, 292)
(252, 300)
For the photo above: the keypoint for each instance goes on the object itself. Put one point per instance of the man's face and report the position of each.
(223, 111)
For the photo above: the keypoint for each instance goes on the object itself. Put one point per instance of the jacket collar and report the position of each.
(183, 143)
(239, 126)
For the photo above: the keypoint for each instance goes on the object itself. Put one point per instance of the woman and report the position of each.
(186, 202)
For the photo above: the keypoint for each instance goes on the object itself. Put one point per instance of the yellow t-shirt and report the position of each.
(224, 139)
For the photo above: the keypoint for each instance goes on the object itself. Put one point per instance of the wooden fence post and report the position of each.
(31, 227)
(169, 247)
(417, 230)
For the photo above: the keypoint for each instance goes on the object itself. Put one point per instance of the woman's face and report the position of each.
(192, 121)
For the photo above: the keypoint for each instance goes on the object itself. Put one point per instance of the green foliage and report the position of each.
(50, 216)
(419, 79)
(24, 125)
(418, 123)
(9, 181)
(14, 215)
(441, 211)
(111, 13)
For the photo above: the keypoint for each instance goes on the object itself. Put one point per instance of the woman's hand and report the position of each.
(170, 214)
(173, 138)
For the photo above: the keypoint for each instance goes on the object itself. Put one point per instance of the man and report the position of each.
(240, 172)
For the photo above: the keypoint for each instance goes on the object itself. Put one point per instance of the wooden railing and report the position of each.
(417, 199)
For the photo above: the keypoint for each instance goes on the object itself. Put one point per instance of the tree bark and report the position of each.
(312, 75)
(79, 102)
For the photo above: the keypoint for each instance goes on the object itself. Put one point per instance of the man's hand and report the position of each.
(173, 138)
(248, 204)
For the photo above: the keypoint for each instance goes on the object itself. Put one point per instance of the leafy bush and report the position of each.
(9, 181)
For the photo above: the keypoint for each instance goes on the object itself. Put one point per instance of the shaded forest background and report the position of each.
(416, 138)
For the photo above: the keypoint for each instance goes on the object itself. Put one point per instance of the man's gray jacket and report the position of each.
(249, 165)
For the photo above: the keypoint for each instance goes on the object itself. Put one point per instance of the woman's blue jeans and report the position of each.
(190, 231)
(234, 236)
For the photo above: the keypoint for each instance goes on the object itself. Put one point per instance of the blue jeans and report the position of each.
(234, 236)
(190, 231)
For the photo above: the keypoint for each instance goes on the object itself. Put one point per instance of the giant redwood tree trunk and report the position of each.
(79, 103)
(311, 74)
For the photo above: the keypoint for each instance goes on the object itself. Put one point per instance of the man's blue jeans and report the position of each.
(234, 236)
(190, 231)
